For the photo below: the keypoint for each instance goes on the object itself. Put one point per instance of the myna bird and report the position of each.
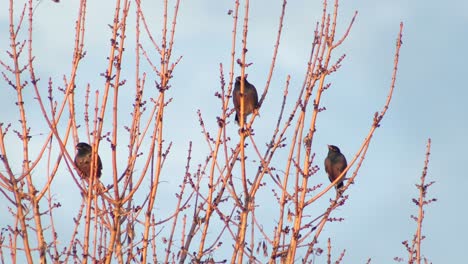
(250, 98)
(83, 161)
(335, 164)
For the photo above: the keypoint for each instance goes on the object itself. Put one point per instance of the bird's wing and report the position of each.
(255, 96)
(340, 165)
(327, 165)
(99, 170)
(236, 99)
(344, 164)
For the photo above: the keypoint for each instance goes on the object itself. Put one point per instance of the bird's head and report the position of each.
(238, 78)
(333, 148)
(83, 147)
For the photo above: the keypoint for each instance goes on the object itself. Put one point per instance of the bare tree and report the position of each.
(414, 249)
(215, 213)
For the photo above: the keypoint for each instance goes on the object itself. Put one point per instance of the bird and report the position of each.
(335, 164)
(250, 98)
(83, 160)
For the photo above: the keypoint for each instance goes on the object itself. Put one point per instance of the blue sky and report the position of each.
(429, 101)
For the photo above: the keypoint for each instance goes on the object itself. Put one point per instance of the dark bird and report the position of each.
(335, 164)
(250, 98)
(83, 160)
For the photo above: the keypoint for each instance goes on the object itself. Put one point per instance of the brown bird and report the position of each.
(335, 164)
(83, 160)
(250, 98)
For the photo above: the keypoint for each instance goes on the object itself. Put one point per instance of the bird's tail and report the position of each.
(339, 185)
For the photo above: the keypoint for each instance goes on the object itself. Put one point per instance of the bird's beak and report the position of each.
(328, 146)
